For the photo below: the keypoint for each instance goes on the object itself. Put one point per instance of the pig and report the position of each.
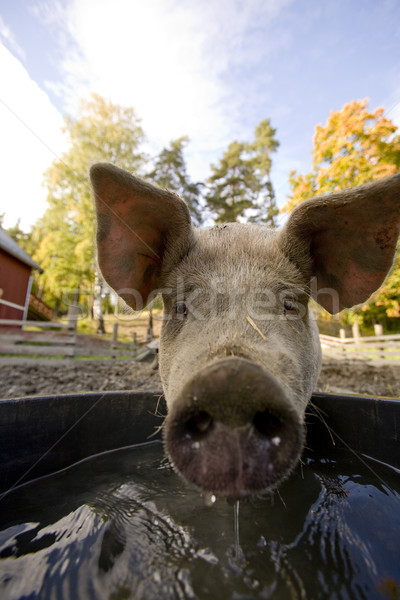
(239, 348)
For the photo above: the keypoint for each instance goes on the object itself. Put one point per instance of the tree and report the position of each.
(240, 185)
(354, 147)
(170, 172)
(261, 149)
(23, 239)
(101, 131)
(232, 185)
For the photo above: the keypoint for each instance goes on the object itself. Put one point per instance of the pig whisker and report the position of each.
(281, 499)
(166, 463)
(316, 408)
(362, 461)
(356, 454)
(318, 411)
(156, 412)
(157, 430)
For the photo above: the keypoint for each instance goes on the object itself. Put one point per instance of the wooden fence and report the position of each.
(43, 338)
(378, 349)
(37, 338)
(113, 348)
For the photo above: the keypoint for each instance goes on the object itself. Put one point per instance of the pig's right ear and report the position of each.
(345, 242)
(142, 232)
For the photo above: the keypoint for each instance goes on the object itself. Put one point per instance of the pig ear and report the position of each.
(142, 231)
(346, 241)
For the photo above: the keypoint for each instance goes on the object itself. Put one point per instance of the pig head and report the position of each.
(239, 349)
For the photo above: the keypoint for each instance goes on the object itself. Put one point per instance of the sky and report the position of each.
(209, 69)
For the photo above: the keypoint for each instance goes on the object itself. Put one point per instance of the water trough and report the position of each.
(123, 525)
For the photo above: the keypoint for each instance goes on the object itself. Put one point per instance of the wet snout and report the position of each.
(233, 431)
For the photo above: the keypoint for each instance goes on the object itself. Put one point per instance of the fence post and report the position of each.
(114, 340)
(135, 347)
(342, 336)
(378, 329)
(356, 332)
(73, 314)
(150, 329)
(356, 335)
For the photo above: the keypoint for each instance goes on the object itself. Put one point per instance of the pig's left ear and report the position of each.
(142, 232)
(346, 240)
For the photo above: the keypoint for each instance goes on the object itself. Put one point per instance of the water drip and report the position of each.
(209, 499)
(236, 528)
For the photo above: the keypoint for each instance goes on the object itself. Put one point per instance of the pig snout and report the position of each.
(233, 431)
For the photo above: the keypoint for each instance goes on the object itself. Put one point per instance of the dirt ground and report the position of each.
(50, 377)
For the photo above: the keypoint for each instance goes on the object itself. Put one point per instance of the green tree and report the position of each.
(232, 185)
(240, 185)
(264, 144)
(355, 146)
(24, 239)
(101, 131)
(170, 172)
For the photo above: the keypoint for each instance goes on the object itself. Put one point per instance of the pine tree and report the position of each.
(170, 172)
(263, 146)
(232, 187)
(240, 187)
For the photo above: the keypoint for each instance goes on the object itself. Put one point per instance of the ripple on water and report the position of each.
(124, 525)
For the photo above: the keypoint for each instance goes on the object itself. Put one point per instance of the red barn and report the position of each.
(15, 278)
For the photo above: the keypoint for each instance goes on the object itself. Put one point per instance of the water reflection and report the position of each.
(122, 526)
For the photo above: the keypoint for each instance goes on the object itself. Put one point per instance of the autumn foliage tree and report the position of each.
(355, 146)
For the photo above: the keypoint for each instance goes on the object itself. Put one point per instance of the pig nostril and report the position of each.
(199, 424)
(267, 424)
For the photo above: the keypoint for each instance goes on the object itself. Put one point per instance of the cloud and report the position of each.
(393, 112)
(9, 40)
(31, 138)
(177, 63)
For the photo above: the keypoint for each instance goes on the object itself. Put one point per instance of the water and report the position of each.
(125, 526)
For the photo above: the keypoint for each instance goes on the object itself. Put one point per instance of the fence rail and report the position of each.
(53, 339)
(44, 338)
(377, 349)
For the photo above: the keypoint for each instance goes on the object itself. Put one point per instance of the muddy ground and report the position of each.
(32, 377)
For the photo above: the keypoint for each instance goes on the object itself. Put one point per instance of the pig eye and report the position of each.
(181, 309)
(289, 305)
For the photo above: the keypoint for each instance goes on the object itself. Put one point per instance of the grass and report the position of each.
(127, 326)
